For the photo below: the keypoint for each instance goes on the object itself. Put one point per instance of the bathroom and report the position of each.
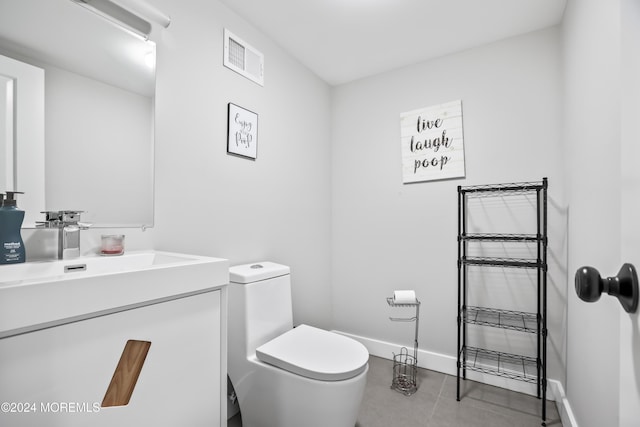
(325, 194)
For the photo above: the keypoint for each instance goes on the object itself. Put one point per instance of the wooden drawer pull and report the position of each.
(126, 374)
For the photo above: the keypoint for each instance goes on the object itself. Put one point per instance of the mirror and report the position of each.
(99, 98)
(22, 115)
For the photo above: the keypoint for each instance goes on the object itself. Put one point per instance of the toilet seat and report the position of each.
(315, 353)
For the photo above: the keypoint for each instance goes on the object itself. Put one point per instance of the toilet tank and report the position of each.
(259, 304)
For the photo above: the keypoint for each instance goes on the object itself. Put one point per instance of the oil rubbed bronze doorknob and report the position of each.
(589, 286)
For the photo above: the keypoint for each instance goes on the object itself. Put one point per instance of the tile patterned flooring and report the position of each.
(435, 405)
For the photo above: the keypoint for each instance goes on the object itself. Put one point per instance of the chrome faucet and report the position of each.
(69, 226)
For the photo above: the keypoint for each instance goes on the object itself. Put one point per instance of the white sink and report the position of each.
(30, 272)
(35, 295)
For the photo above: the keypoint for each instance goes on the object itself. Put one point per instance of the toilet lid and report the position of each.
(315, 353)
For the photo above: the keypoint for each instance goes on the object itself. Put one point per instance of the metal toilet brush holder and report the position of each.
(405, 366)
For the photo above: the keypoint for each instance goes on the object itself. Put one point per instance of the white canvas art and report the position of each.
(432, 143)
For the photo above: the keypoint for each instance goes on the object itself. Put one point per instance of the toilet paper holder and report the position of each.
(405, 366)
(590, 285)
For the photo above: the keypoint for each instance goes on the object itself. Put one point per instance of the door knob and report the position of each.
(589, 286)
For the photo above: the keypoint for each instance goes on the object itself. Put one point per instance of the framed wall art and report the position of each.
(242, 132)
(432, 143)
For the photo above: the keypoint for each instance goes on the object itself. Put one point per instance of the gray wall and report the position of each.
(276, 208)
(388, 236)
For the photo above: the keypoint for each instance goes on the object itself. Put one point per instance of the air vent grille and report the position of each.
(236, 53)
(243, 58)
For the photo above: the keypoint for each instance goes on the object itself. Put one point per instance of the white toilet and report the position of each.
(285, 376)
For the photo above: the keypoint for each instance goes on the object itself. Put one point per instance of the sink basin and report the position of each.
(31, 272)
(36, 295)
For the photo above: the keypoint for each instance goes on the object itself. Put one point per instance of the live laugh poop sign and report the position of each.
(432, 143)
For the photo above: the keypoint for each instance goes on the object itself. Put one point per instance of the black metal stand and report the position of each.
(512, 366)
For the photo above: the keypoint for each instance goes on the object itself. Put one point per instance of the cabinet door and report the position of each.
(59, 376)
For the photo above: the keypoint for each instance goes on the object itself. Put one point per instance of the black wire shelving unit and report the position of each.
(527, 368)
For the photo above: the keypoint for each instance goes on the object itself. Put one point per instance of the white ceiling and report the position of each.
(345, 40)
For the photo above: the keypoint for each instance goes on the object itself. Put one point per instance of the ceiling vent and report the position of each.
(243, 58)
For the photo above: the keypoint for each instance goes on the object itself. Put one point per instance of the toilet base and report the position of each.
(272, 397)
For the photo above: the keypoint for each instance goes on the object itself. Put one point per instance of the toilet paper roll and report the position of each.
(404, 297)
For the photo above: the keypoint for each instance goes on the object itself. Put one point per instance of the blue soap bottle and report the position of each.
(11, 244)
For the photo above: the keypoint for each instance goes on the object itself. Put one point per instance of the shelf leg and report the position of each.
(544, 402)
(458, 384)
(460, 290)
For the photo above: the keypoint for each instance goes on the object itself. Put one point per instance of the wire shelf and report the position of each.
(504, 319)
(524, 248)
(502, 262)
(502, 189)
(506, 365)
(495, 237)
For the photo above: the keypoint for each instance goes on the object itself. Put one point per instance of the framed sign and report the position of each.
(242, 132)
(432, 143)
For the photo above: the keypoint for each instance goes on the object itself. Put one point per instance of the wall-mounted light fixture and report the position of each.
(134, 15)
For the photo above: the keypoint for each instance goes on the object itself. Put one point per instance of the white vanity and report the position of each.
(138, 339)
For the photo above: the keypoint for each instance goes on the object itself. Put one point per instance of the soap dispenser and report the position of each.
(11, 244)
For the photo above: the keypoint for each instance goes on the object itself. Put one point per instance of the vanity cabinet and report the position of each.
(59, 376)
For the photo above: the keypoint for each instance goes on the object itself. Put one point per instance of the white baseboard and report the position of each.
(447, 364)
(564, 408)
(426, 359)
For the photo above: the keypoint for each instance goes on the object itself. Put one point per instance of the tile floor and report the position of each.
(435, 405)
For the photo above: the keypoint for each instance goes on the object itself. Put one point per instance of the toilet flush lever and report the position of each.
(589, 286)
